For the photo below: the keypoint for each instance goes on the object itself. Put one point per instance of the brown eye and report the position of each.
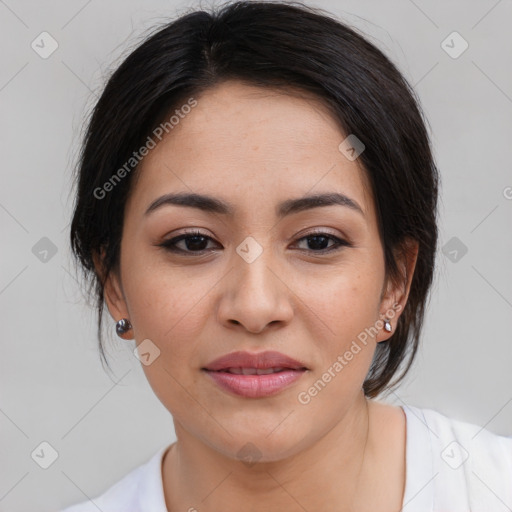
(317, 242)
(194, 242)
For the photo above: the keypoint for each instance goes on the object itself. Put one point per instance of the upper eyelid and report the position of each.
(317, 231)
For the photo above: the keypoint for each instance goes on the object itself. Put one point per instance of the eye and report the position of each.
(317, 240)
(196, 242)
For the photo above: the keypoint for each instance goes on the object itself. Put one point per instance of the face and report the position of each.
(307, 282)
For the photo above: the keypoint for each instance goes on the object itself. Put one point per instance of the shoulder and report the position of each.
(463, 465)
(140, 487)
(468, 441)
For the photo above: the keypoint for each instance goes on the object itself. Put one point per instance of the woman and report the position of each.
(256, 206)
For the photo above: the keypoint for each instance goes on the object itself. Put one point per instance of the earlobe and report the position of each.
(114, 297)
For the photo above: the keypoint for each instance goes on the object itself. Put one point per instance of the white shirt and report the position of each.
(451, 466)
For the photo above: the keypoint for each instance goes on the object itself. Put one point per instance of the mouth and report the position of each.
(254, 375)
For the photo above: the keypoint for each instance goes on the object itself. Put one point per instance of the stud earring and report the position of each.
(122, 327)
(387, 325)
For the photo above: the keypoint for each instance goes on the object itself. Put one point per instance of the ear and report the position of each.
(396, 292)
(112, 289)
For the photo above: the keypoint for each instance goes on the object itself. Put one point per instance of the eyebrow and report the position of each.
(211, 204)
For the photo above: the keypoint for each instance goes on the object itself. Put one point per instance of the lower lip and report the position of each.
(255, 386)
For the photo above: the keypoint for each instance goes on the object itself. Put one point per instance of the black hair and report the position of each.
(275, 44)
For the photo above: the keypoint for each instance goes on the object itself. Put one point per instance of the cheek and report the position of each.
(345, 301)
(346, 348)
(346, 309)
(164, 299)
(167, 310)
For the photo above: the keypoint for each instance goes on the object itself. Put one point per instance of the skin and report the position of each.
(254, 148)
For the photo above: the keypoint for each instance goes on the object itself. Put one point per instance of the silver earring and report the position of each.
(387, 325)
(123, 326)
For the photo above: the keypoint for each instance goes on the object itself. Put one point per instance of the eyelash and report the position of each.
(170, 245)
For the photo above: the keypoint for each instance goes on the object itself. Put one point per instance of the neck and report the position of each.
(197, 476)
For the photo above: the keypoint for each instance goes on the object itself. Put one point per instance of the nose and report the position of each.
(255, 295)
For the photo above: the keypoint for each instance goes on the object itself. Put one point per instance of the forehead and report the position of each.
(254, 143)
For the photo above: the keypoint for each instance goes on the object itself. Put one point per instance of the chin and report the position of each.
(257, 447)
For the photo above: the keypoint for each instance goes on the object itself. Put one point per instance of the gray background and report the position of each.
(53, 387)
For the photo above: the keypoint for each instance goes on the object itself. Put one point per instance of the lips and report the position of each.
(255, 375)
(262, 363)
